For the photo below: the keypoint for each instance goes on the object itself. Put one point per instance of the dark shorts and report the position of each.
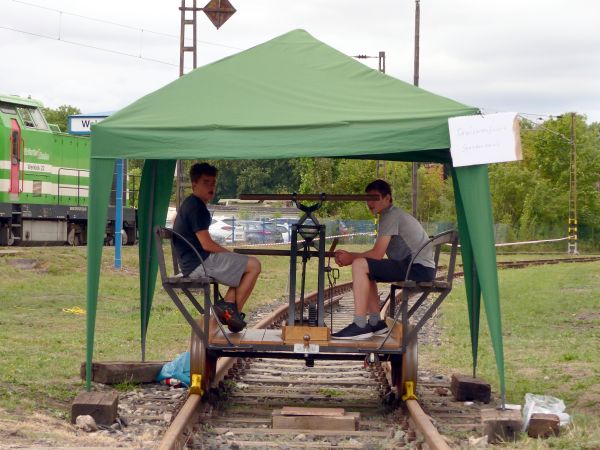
(392, 270)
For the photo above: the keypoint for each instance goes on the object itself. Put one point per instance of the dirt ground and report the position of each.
(35, 430)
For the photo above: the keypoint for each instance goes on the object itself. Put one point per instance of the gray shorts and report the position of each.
(225, 267)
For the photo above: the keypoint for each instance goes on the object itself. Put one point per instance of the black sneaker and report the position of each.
(380, 328)
(228, 314)
(353, 332)
(237, 326)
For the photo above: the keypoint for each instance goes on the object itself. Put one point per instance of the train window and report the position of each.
(25, 114)
(15, 147)
(7, 108)
(32, 118)
(40, 121)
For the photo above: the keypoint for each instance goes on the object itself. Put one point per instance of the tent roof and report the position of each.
(312, 99)
(292, 96)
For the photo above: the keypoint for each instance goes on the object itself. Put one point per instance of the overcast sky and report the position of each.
(538, 57)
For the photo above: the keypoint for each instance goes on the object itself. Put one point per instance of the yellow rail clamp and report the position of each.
(196, 387)
(410, 391)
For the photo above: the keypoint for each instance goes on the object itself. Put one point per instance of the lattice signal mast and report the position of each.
(218, 11)
(572, 242)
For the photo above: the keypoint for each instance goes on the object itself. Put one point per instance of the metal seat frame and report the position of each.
(423, 289)
(186, 284)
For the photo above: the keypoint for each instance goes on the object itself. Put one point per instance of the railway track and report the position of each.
(239, 414)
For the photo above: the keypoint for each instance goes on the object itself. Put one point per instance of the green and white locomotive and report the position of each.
(44, 179)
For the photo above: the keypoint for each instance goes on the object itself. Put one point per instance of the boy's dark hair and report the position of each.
(199, 169)
(380, 186)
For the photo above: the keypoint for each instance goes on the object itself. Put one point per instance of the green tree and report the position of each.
(272, 176)
(533, 195)
(60, 115)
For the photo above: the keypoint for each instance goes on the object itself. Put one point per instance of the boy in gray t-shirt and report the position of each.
(400, 236)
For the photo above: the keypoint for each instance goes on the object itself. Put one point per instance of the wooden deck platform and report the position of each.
(252, 336)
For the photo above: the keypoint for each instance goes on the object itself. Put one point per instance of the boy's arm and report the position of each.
(344, 258)
(207, 242)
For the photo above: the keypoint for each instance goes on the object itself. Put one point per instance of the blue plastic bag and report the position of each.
(179, 368)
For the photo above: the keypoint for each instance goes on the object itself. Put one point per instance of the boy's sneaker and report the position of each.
(237, 326)
(228, 314)
(380, 328)
(353, 332)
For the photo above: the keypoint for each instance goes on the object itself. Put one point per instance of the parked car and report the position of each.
(171, 214)
(226, 229)
(257, 232)
(286, 231)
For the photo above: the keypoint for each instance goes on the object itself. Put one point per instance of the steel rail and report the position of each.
(173, 437)
(434, 439)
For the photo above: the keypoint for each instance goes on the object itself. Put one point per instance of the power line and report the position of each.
(108, 22)
(538, 126)
(117, 52)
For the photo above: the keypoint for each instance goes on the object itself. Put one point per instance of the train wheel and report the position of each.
(200, 362)
(10, 240)
(405, 369)
(73, 237)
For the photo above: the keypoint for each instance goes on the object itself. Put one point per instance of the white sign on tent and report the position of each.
(484, 139)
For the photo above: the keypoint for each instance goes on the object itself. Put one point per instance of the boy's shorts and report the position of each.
(225, 267)
(392, 270)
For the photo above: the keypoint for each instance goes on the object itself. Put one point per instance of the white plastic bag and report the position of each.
(544, 404)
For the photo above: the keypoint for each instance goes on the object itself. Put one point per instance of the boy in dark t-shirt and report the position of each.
(400, 236)
(239, 272)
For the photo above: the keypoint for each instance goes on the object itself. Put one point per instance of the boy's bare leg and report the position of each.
(241, 293)
(361, 285)
(373, 306)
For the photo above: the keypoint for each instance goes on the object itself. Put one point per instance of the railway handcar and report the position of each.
(44, 179)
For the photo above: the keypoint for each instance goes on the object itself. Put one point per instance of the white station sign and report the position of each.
(83, 125)
(484, 139)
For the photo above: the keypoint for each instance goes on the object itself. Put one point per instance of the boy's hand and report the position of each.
(343, 258)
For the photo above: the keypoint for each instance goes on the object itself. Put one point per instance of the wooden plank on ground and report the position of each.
(283, 432)
(114, 372)
(102, 406)
(466, 388)
(501, 425)
(349, 422)
(543, 425)
(307, 411)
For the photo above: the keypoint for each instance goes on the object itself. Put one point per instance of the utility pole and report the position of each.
(415, 166)
(381, 66)
(572, 242)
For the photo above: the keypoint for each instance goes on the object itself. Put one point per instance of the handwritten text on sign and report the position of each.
(491, 138)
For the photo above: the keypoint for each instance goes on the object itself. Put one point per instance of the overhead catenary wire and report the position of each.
(117, 52)
(60, 35)
(538, 126)
(130, 27)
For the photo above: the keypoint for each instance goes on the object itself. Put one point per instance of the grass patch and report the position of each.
(551, 326)
(330, 392)
(42, 336)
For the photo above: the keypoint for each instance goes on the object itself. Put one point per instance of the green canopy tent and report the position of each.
(292, 96)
